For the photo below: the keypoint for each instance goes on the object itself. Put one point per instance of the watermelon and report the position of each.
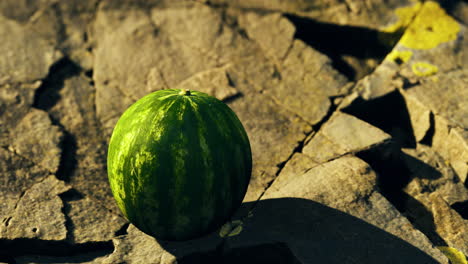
(179, 163)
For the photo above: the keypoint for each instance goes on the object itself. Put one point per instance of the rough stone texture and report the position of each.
(84, 154)
(42, 204)
(272, 134)
(343, 134)
(431, 173)
(449, 117)
(351, 12)
(136, 246)
(460, 11)
(379, 83)
(298, 164)
(435, 189)
(452, 144)
(17, 175)
(315, 73)
(75, 16)
(304, 91)
(288, 68)
(42, 146)
(15, 103)
(450, 225)
(62, 24)
(26, 57)
(445, 97)
(86, 216)
(420, 117)
(214, 82)
(309, 82)
(458, 156)
(273, 33)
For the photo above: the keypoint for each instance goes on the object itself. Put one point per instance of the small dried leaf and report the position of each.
(231, 228)
(225, 229)
(236, 231)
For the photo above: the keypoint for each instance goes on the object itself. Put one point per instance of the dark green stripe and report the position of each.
(147, 199)
(220, 143)
(196, 171)
(243, 152)
(163, 173)
(209, 169)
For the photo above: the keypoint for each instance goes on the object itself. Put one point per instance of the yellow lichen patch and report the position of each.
(405, 16)
(455, 256)
(424, 69)
(391, 34)
(431, 27)
(399, 57)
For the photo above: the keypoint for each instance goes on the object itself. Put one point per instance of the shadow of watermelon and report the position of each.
(291, 230)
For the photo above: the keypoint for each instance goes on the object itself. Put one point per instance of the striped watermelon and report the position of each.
(179, 163)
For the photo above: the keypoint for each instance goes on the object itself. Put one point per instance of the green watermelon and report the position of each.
(179, 163)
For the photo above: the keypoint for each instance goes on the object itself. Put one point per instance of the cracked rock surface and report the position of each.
(41, 203)
(356, 113)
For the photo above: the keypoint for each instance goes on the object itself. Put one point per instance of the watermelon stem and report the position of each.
(184, 92)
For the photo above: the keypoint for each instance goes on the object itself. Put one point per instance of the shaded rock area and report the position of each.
(356, 113)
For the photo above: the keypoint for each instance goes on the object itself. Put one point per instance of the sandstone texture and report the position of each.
(356, 112)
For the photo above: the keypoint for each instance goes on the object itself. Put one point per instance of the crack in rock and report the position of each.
(26, 56)
(316, 189)
(351, 199)
(88, 221)
(343, 134)
(17, 175)
(26, 250)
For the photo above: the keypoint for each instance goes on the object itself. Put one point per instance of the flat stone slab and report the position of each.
(92, 222)
(137, 247)
(26, 57)
(17, 175)
(445, 96)
(42, 146)
(343, 134)
(41, 203)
